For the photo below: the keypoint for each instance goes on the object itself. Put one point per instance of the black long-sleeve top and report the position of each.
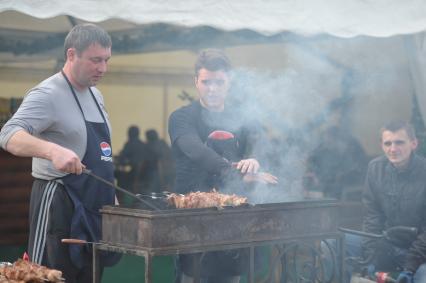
(199, 167)
(397, 198)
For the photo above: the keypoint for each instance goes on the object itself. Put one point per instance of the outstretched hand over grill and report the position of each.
(249, 166)
(253, 175)
(261, 177)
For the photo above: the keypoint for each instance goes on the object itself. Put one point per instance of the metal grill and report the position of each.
(173, 231)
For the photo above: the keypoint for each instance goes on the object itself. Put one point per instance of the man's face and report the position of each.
(398, 147)
(89, 66)
(212, 88)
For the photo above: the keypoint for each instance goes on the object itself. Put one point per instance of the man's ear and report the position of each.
(71, 53)
(196, 80)
(231, 75)
(414, 144)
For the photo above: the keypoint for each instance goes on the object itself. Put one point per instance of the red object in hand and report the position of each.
(220, 135)
(25, 257)
(383, 277)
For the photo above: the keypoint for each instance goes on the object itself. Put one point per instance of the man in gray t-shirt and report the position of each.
(63, 125)
(50, 113)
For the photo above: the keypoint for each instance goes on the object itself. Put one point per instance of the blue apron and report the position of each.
(87, 194)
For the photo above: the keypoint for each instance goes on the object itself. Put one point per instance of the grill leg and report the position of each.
(197, 267)
(340, 255)
(251, 267)
(96, 276)
(148, 269)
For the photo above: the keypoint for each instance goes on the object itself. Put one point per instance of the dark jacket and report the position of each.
(397, 198)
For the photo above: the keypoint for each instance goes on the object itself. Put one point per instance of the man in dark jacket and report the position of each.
(135, 155)
(395, 195)
(160, 165)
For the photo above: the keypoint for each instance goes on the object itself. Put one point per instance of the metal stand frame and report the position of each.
(148, 254)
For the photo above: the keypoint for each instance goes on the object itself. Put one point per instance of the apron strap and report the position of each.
(79, 105)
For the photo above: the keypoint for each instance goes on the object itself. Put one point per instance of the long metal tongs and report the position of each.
(89, 172)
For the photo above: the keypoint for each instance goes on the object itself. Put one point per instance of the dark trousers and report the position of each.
(51, 211)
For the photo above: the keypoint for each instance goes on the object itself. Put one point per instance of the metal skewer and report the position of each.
(76, 241)
(89, 172)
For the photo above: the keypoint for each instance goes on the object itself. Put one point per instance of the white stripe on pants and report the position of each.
(42, 220)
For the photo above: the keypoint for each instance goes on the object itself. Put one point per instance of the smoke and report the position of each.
(282, 107)
(317, 83)
(289, 109)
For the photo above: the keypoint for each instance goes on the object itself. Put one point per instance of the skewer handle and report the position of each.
(74, 241)
(89, 172)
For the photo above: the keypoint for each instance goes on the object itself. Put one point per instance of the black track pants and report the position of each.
(51, 211)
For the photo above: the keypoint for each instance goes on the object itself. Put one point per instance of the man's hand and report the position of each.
(250, 165)
(65, 160)
(405, 277)
(261, 177)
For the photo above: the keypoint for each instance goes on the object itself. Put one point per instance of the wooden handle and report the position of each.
(74, 241)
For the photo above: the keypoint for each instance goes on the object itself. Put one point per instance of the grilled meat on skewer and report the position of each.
(205, 199)
(24, 271)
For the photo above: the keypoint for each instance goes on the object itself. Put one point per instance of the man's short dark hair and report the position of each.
(395, 126)
(212, 60)
(83, 35)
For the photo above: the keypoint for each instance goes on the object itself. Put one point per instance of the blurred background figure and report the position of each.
(160, 167)
(131, 163)
(336, 165)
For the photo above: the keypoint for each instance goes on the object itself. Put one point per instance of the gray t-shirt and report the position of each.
(50, 112)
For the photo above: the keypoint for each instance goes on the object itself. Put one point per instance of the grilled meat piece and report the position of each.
(25, 271)
(205, 199)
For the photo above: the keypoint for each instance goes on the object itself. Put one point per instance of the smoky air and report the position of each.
(321, 111)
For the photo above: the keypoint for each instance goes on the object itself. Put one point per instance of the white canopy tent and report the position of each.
(346, 18)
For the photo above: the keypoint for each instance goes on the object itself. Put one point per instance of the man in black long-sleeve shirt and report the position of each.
(189, 127)
(200, 167)
(197, 165)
